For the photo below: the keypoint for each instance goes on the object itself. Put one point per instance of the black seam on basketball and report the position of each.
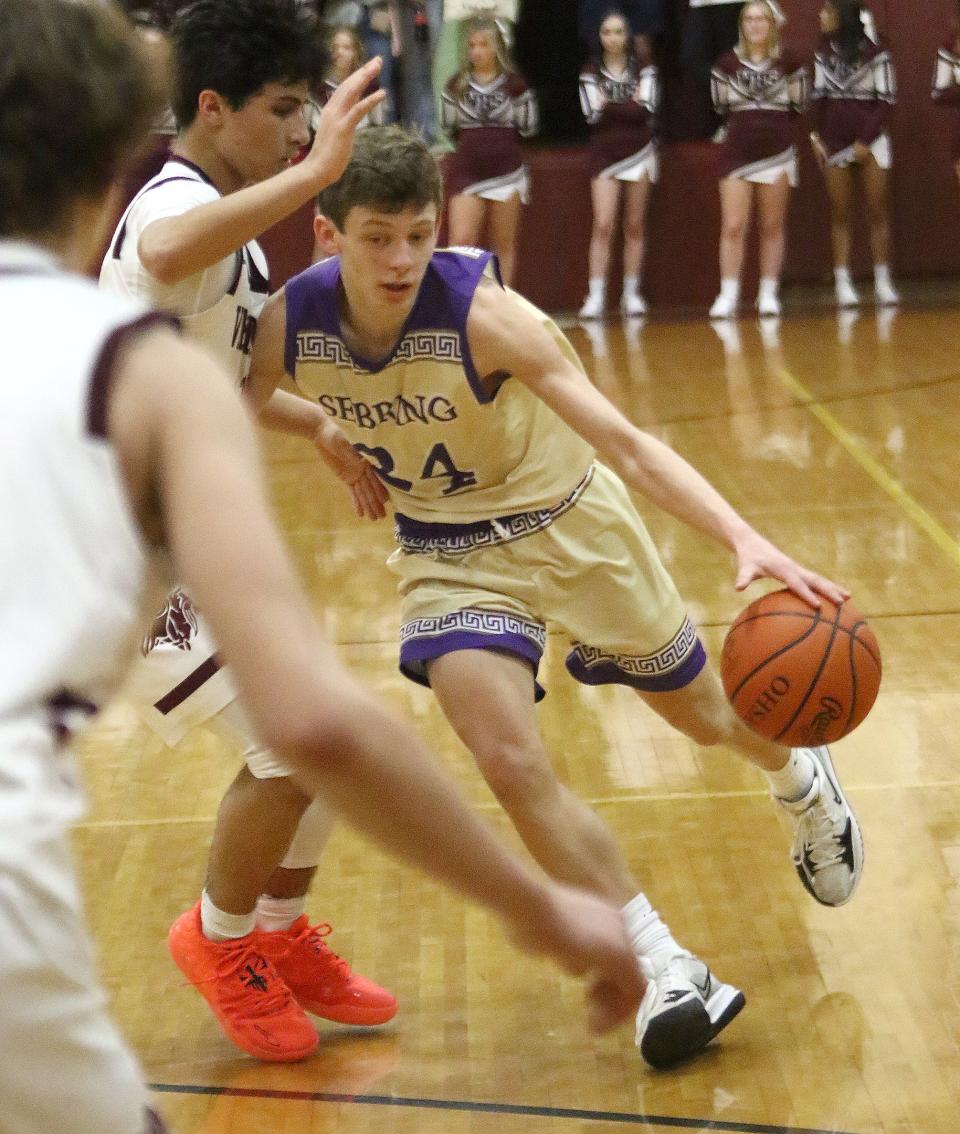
(816, 677)
(851, 665)
(732, 696)
(852, 631)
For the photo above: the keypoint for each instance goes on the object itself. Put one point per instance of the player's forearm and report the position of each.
(174, 248)
(664, 477)
(289, 413)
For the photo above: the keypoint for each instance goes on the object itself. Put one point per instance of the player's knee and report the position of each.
(517, 774)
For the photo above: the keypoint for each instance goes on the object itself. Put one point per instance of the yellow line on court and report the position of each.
(872, 467)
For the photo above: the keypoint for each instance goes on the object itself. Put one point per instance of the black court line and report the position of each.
(622, 1117)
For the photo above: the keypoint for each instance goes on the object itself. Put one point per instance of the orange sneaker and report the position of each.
(249, 998)
(321, 981)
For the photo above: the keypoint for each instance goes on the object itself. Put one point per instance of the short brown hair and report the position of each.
(391, 169)
(77, 94)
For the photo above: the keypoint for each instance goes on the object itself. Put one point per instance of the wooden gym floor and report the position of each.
(837, 437)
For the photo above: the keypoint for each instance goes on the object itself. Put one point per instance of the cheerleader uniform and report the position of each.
(852, 102)
(946, 87)
(486, 122)
(759, 101)
(620, 111)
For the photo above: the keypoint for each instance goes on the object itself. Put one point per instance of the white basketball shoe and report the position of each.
(682, 1010)
(827, 846)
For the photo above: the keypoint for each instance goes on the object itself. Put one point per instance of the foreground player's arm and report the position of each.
(198, 472)
(287, 413)
(174, 248)
(504, 335)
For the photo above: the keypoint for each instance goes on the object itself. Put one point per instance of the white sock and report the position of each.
(769, 286)
(842, 276)
(274, 915)
(649, 935)
(630, 285)
(598, 287)
(881, 275)
(218, 925)
(730, 289)
(793, 780)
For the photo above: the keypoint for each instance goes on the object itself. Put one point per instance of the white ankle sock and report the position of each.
(769, 286)
(842, 276)
(793, 780)
(730, 289)
(274, 915)
(649, 935)
(881, 275)
(218, 925)
(630, 285)
(597, 288)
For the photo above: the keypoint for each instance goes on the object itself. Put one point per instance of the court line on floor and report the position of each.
(493, 805)
(624, 1118)
(915, 511)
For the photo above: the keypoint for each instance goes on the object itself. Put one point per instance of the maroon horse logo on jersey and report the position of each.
(174, 625)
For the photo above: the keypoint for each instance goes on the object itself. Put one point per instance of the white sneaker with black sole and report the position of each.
(827, 845)
(683, 1008)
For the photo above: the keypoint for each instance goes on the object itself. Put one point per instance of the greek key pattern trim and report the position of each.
(665, 660)
(437, 346)
(487, 533)
(495, 623)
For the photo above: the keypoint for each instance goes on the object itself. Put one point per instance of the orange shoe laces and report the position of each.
(312, 937)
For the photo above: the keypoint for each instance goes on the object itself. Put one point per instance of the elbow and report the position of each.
(161, 261)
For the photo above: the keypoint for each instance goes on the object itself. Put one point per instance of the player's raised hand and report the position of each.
(757, 558)
(586, 936)
(368, 490)
(333, 142)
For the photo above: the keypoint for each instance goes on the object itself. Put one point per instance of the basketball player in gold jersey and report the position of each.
(471, 410)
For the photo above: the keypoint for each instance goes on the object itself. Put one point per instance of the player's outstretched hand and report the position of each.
(757, 558)
(368, 490)
(586, 936)
(339, 119)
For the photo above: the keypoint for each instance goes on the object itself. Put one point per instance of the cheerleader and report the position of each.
(486, 109)
(946, 86)
(854, 90)
(619, 96)
(758, 89)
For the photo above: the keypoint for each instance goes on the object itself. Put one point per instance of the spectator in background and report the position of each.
(619, 95)
(854, 90)
(487, 108)
(758, 89)
(946, 84)
(420, 22)
(380, 32)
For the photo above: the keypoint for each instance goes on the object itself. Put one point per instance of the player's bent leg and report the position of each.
(266, 847)
(52, 1010)
(488, 698)
(827, 846)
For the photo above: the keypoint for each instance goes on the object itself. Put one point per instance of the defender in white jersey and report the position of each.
(101, 474)
(187, 244)
(479, 420)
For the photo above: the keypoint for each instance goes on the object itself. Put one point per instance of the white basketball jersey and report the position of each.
(227, 325)
(180, 683)
(75, 571)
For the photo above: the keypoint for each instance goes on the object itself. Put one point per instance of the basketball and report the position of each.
(798, 675)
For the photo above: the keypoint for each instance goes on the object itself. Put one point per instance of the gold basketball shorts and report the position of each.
(587, 565)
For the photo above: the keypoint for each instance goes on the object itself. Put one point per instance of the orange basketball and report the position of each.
(799, 675)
